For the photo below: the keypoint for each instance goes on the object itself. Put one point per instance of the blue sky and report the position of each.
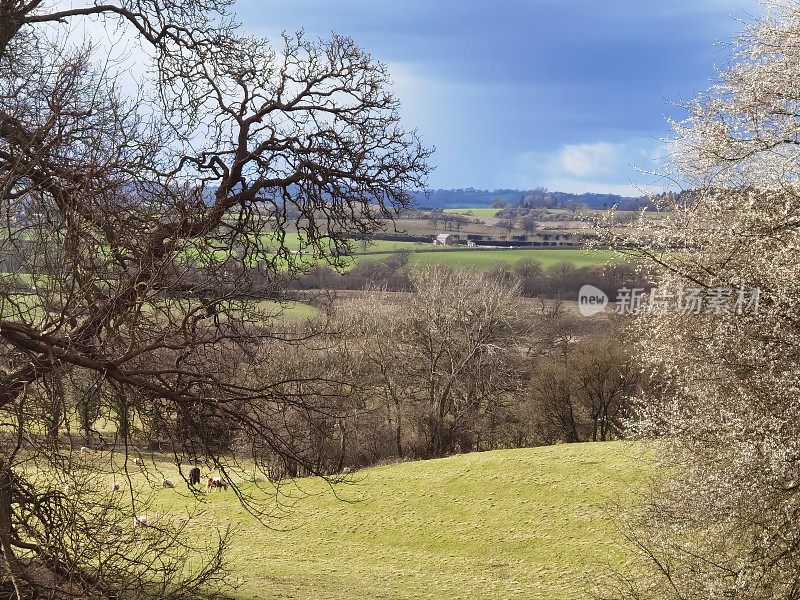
(568, 94)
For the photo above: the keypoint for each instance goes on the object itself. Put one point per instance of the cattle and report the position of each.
(137, 461)
(140, 521)
(194, 476)
(216, 483)
(116, 486)
(85, 450)
(166, 484)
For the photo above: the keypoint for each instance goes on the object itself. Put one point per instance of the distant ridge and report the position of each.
(472, 198)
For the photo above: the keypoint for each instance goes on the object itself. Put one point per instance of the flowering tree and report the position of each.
(723, 519)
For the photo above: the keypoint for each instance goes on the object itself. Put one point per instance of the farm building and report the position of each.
(557, 239)
(446, 239)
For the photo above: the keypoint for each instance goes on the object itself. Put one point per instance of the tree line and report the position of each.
(396, 274)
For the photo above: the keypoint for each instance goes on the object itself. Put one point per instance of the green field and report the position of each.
(423, 255)
(290, 311)
(529, 524)
(485, 259)
(473, 212)
(389, 246)
(27, 308)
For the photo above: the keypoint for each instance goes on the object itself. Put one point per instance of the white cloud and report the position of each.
(603, 167)
(587, 160)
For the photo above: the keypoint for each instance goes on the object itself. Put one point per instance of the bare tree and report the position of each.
(583, 393)
(508, 224)
(142, 238)
(449, 356)
(556, 414)
(529, 224)
(605, 380)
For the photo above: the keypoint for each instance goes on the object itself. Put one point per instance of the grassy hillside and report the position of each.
(509, 524)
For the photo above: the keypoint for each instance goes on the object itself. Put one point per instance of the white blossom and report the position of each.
(724, 515)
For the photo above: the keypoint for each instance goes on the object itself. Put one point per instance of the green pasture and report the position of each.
(424, 255)
(523, 524)
(473, 212)
(27, 308)
(485, 259)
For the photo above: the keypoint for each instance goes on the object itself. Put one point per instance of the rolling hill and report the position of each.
(529, 523)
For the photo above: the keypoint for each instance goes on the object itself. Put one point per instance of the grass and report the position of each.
(27, 308)
(388, 246)
(474, 212)
(423, 255)
(485, 259)
(529, 523)
(289, 311)
(295, 311)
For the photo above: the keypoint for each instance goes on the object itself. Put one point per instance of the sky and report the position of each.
(572, 95)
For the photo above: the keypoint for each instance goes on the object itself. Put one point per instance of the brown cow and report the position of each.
(216, 483)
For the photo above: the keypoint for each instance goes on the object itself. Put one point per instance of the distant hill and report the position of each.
(465, 198)
(472, 198)
(540, 197)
